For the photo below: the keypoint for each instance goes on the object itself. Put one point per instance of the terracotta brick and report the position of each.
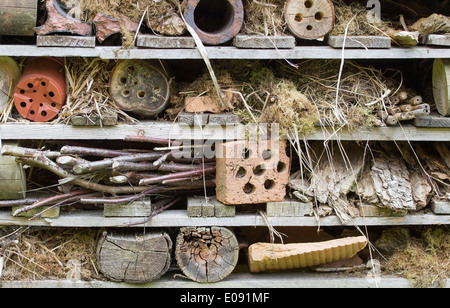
(251, 173)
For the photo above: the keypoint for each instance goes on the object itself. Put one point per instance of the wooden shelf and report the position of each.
(175, 131)
(300, 52)
(179, 218)
(247, 281)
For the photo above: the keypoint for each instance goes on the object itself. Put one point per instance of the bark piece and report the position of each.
(134, 257)
(266, 256)
(206, 255)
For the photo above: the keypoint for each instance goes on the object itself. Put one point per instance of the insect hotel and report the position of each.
(225, 143)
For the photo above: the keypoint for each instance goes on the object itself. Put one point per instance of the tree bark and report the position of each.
(206, 255)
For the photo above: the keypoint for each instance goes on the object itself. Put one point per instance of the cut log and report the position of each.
(9, 76)
(206, 255)
(18, 17)
(134, 257)
(441, 86)
(266, 256)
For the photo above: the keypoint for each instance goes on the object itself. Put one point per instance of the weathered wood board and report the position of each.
(134, 257)
(199, 207)
(360, 42)
(433, 120)
(440, 207)
(264, 42)
(289, 208)
(437, 40)
(166, 42)
(132, 209)
(18, 17)
(51, 213)
(65, 41)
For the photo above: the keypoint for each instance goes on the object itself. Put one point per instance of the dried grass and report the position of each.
(264, 17)
(426, 259)
(88, 82)
(52, 254)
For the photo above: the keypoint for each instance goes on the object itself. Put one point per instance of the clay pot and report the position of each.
(41, 92)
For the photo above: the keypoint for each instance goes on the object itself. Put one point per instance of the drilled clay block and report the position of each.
(251, 172)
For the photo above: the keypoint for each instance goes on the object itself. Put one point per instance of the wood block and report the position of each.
(440, 207)
(433, 120)
(53, 213)
(154, 41)
(370, 210)
(198, 207)
(196, 119)
(289, 208)
(133, 209)
(65, 41)
(371, 42)
(223, 119)
(264, 42)
(134, 257)
(437, 40)
(94, 121)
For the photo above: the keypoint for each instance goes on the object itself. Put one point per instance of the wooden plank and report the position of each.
(361, 42)
(239, 280)
(299, 52)
(165, 42)
(35, 131)
(65, 41)
(179, 218)
(437, 40)
(433, 120)
(264, 42)
(133, 209)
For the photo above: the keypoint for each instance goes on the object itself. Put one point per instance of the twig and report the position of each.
(159, 179)
(157, 211)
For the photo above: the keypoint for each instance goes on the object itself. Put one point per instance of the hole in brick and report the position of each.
(241, 173)
(258, 171)
(281, 167)
(266, 154)
(249, 188)
(246, 153)
(269, 184)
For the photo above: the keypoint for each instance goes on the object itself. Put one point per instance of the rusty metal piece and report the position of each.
(140, 87)
(107, 26)
(309, 19)
(215, 21)
(58, 21)
(41, 92)
(9, 76)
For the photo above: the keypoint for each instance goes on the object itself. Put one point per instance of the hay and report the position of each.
(264, 17)
(355, 13)
(88, 82)
(425, 260)
(51, 254)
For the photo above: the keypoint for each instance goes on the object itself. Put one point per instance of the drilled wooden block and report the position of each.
(251, 172)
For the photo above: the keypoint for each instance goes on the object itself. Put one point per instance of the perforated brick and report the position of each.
(251, 173)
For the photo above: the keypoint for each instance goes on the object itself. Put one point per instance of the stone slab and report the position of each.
(264, 42)
(167, 42)
(65, 41)
(362, 42)
(437, 40)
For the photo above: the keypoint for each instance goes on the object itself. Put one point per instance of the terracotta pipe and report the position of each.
(215, 21)
(41, 92)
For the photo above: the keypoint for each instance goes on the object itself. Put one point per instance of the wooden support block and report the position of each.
(199, 207)
(196, 119)
(440, 207)
(167, 42)
(94, 121)
(264, 42)
(133, 209)
(370, 210)
(53, 213)
(223, 119)
(65, 41)
(433, 120)
(362, 42)
(437, 40)
(134, 257)
(266, 256)
(13, 184)
(289, 208)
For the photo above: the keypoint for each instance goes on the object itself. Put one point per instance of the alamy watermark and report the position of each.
(374, 15)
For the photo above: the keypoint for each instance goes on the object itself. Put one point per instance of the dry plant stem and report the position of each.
(107, 163)
(148, 140)
(11, 203)
(121, 200)
(85, 151)
(47, 201)
(45, 163)
(155, 180)
(27, 152)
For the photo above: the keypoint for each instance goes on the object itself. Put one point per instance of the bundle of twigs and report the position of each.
(113, 176)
